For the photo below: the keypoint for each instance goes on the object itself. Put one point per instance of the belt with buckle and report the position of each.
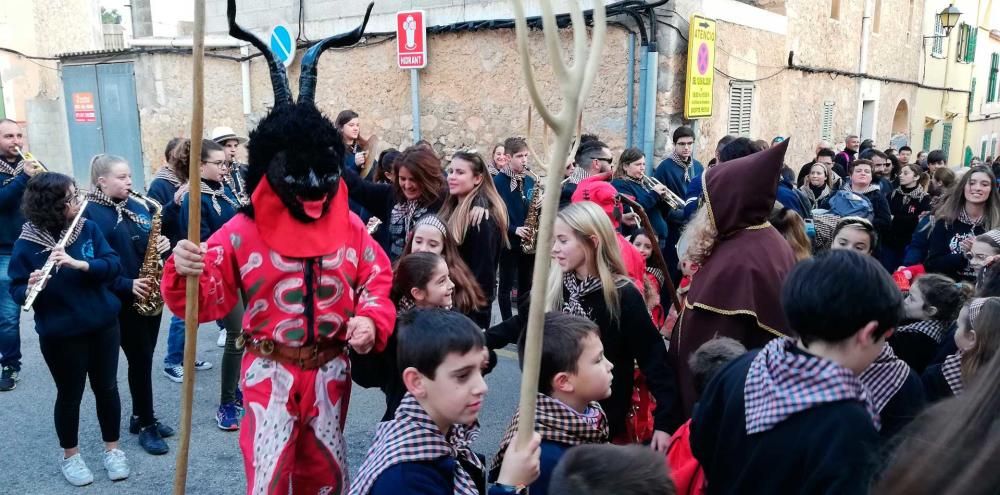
(307, 357)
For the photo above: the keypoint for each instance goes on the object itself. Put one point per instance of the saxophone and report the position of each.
(528, 245)
(152, 263)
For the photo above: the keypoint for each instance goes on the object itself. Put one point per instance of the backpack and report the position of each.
(845, 203)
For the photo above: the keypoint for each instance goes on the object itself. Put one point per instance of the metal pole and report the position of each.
(630, 93)
(415, 102)
(649, 113)
(640, 121)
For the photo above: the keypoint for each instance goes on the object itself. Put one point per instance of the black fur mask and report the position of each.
(301, 153)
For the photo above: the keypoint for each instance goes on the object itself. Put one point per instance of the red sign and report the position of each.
(411, 39)
(83, 107)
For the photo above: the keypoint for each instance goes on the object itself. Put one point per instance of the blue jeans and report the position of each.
(175, 342)
(10, 320)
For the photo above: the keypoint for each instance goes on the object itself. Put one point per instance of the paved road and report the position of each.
(30, 453)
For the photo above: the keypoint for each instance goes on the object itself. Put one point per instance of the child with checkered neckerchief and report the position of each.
(794, 417)
(977, 339)
(427, 448)
(574, 376)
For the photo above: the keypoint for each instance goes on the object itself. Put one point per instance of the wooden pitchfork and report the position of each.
(574, 84)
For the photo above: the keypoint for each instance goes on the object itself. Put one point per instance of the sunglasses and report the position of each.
(605, 160)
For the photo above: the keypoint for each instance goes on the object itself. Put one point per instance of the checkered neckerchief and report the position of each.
(781, 383)
(951, 368)
(412, 436)
(11, 170)
(884, 377)
(934, 329)
(577, 289)
(556, 422)
(168, 174)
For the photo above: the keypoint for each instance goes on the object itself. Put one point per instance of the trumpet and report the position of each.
(26, 156)
(34, 290)
(672, 200)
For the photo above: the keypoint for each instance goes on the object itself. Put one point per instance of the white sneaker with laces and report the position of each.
(117, 464)
(76, 471)
(221, 341)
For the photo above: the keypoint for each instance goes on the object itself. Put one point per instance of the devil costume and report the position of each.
(307, 265)
(736, 292)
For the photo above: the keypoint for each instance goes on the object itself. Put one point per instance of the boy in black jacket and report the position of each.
(794, 417)
(427, 449)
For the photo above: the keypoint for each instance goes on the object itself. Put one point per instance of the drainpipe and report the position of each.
(630, 92)
(866, 34)
(245, 79)
(649, 113)
(640, 121)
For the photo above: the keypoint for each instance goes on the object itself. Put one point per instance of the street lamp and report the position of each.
(948, 18)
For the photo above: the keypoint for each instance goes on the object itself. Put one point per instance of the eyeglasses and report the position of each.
(74, 200)
(217, 163)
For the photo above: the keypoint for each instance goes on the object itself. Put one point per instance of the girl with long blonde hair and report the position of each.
(589, 279)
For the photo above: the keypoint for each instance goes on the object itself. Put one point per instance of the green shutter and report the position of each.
(991, 90)
(927, 138)
(972, 96)
(970, 54)
(946, 139)
(963, 42)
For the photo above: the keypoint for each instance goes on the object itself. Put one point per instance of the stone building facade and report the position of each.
(472, 93)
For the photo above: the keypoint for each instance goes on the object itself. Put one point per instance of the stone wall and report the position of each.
(472, 93)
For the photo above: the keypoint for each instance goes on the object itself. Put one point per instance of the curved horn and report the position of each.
(279, 81)
(307, 79)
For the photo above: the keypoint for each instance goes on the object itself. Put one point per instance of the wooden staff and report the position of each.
(193, 235)
(574, 83)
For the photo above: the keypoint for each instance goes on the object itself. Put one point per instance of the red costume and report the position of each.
(311, 275)
(295, 417)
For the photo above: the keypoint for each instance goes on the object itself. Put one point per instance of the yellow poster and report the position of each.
(700, 68)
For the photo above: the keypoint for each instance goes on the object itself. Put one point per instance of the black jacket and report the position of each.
(629, 340)
(828, 449)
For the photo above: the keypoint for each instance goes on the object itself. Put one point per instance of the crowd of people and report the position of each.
(732, 327)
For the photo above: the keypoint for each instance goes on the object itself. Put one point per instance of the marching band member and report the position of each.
(236, 173)
(127, 224)
(13, 180)
(75, 316)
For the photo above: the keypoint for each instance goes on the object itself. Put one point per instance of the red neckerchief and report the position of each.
(294, 239)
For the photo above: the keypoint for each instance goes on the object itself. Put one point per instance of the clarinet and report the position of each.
(34, 290)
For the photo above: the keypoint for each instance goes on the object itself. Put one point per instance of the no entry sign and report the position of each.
(411, 39)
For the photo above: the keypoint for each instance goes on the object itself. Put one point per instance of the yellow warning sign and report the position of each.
(700, 68)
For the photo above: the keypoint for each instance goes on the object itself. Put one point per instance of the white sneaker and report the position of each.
(76, 471)
(116, 464)
(221, 341)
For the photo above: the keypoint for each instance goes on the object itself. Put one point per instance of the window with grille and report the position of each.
(937, 48)
(826, 122)
(740, 107)
(966, 52)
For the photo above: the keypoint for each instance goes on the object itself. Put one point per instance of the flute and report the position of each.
(34, 290)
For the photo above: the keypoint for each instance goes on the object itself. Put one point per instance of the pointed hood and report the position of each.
(740, 193)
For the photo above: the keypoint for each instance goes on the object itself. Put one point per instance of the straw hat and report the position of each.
(222, 134)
